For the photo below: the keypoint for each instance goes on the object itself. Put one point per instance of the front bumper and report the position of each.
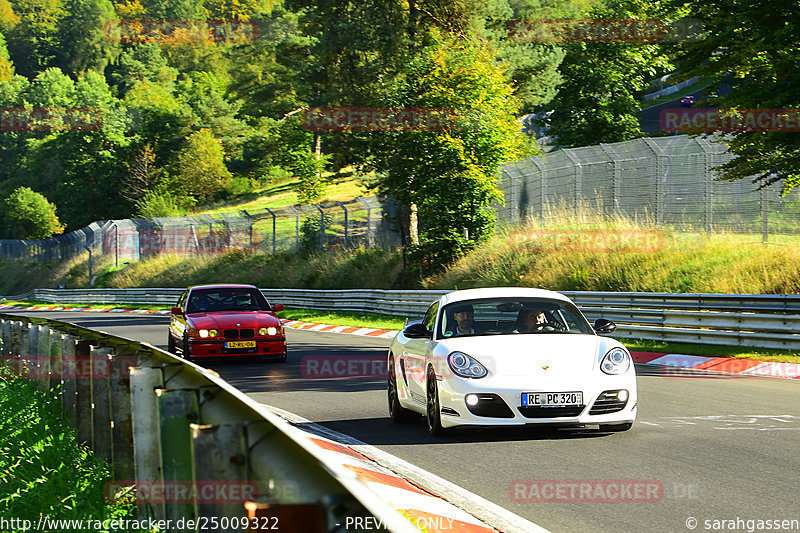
(453, 391)
(216, 348)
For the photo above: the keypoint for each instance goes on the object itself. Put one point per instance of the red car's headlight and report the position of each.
(270, 331)
(202, 333)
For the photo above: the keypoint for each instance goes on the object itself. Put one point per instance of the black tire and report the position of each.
(397, 412)
(170, 344)
(185, 349)
(614, 428)
(432, 408)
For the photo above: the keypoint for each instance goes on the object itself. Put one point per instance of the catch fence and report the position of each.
(363, 221)
(665, 180)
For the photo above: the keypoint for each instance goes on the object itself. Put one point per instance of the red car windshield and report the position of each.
(226, 299)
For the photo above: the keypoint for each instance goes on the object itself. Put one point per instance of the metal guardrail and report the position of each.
(178, 429)
(761, 321)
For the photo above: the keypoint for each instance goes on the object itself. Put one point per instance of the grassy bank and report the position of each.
(43, 472)
(586, 253)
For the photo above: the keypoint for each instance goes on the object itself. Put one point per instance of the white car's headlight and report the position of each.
(616, 361)
(465, 366)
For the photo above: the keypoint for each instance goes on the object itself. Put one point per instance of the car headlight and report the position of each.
(616, 361)
(466, 366)
(207, 333)
(268, 331)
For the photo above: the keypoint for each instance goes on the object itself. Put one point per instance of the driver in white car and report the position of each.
(530, 321)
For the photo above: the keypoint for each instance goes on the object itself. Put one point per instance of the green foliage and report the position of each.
(6, 66)
(752, 48)
(85, 39)
(43, 471)
(450, 175)
(156, 204)
(200, 170)
(34, 39)
(596, 101)
(310, 232)
(143, 62)
(28, 215)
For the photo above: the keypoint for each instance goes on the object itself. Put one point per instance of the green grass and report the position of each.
(343, 318)
(31, 303)
(340, 187)
(42, 469)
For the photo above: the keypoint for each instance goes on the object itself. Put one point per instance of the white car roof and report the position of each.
(501, 292)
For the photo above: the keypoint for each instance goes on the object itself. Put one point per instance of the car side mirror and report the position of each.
(277, 307)
(604, 326)
(177, 311)
(417, 331)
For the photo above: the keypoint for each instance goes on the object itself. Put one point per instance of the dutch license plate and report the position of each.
(552, 399)
(240, 344)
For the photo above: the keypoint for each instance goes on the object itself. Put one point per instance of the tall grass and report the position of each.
(585, 251)
(42, 469)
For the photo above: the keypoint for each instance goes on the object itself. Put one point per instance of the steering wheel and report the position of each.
(550, 326)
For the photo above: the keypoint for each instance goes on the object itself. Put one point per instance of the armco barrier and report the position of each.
(196, 447)
(762, 321)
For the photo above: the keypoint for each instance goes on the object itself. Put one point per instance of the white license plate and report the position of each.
(552, 399)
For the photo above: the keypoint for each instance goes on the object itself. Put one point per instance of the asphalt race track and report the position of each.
(720, 448)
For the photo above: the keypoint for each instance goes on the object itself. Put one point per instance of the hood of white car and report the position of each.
(535, 354)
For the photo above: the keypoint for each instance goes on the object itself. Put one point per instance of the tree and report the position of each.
(28, 215)
(200, 170)
(446, 179)
(596, 102)
(85, 36)
(6, 66)
(752, 47)
(33, 41)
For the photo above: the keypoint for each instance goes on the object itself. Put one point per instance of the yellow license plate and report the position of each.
(240, 344)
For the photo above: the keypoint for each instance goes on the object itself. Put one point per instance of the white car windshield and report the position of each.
(511, 316)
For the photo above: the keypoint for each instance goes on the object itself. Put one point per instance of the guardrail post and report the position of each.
(177, 409)
(68, 347)
(99, 376)
(83, 385)
(146, 434)
(122, 429)
(55, 371)
(5, 347)
(43, 358)
(220, 457)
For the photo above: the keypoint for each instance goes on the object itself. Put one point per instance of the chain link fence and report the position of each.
(363, 221)
(668, 180)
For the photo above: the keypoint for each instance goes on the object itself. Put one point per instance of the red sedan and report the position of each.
(224, 321)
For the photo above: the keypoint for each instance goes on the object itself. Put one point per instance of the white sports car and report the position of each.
(510, 356)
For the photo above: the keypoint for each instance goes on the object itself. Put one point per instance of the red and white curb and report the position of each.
(722, 365)
(348, 330)
(425, 501)
(90, 309)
